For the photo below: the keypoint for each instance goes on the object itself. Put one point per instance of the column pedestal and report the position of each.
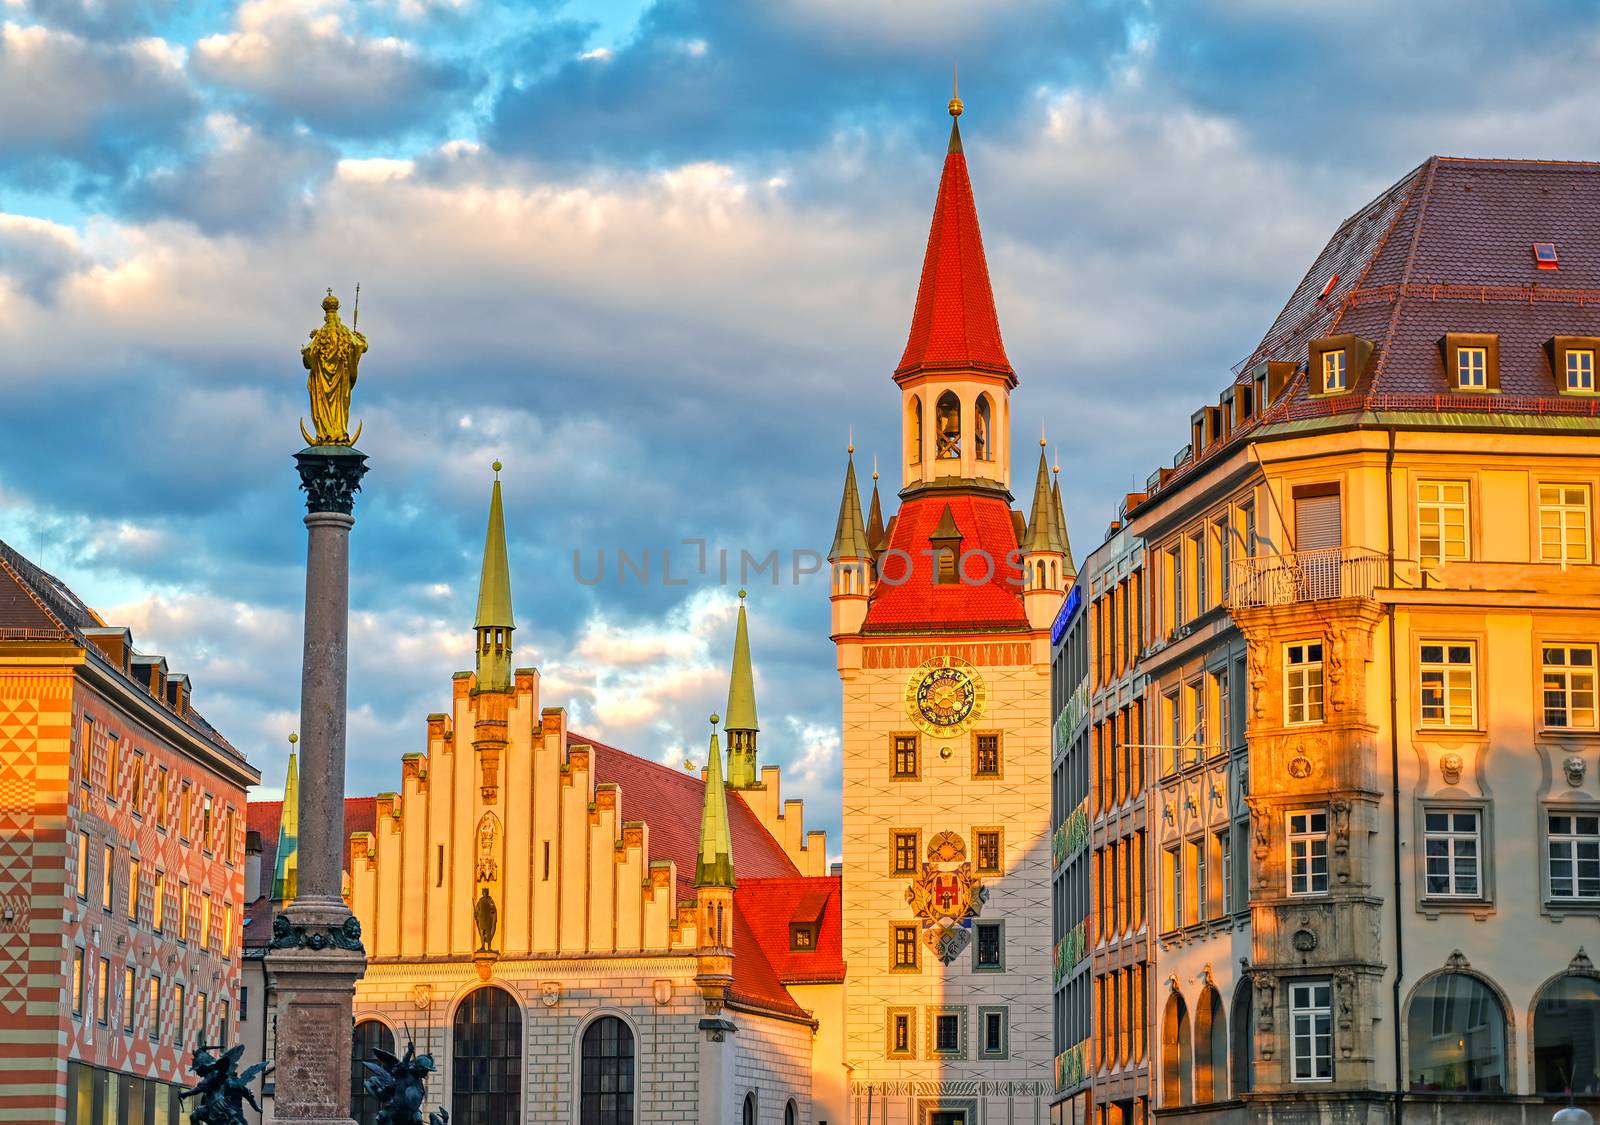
(316, 955)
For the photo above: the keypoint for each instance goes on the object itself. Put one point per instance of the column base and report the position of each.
(312, 992)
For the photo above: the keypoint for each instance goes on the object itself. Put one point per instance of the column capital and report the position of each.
(331, 476)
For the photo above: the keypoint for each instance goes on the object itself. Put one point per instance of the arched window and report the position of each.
(914, 438)
(1243, 1026)
(1566, 1036)
(982, 429)
(607, 1094)
(486, 1050)
(1177, 1061)
(368, 1034)
(791, 1113)
(1210, 1049)
(947, 420)
(748, 1117)
(1456, 1036)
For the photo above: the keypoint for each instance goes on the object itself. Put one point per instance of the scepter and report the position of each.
(355, 313)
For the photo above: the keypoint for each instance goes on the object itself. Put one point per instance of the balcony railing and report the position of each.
(1305, 576)
(1071, 949)
(1071, 834)
(1070, 1069)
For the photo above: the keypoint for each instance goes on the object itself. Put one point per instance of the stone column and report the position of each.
(316, 955)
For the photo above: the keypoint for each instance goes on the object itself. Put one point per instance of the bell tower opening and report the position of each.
(949, 432)
(981, 445)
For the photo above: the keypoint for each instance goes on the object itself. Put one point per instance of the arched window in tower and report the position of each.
(947, 418)
(914, 424)
(1243, 1037)
(486, 1049)
(982, 428)
(748, 1117)
(1177, 1056)
(1210, 1049)
(606, 1096)
(1456, 1036)
(1566, 1036)
(369, 1034)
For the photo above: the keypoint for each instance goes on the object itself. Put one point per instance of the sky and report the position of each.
(659, 258)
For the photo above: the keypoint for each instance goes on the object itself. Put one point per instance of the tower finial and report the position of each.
(496, 467)
(1042, 441)
(874, 466)
(955, 90)
(850, 442)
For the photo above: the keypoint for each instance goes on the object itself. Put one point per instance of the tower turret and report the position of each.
(739, 720)
(851, 557)
(494, 623)
(286, 866)
(714, 885)
(1069, 568)
(875, 536)
(1044, 555)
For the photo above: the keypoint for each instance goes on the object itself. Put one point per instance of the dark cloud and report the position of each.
(37, 256)
(101, 19)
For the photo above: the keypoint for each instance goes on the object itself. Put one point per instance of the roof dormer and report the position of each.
(1335, 364)
(1471, 360)
(1572, 363)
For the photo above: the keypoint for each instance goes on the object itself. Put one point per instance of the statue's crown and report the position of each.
(330, 303)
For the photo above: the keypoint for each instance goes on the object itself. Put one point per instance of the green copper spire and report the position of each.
(850, 536)
(1061, 522)
(1043, 534)
(286, 868)
(875, 514)
(714, 866)
(494, 622)
(740, 718)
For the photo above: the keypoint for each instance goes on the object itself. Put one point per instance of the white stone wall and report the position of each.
(773, 1058)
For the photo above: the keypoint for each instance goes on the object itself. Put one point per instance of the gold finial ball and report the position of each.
(330, 303)
(1042, 442)
(293, 738)
(955, 107)
(742, 596)
(495, 466)
(715, 719)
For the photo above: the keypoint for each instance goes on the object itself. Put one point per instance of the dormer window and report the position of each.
(1572, 363)
(1471, 360)
(1335, 364)
(1580, 370)
(803, 936)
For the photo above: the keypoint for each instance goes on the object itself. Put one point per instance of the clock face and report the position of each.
(944, 697)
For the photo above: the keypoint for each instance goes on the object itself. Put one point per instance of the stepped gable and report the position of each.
(914, 602)
(263, 818)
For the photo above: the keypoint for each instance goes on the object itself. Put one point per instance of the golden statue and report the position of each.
(332, 357)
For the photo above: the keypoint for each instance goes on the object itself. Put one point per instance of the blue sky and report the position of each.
(659, 258)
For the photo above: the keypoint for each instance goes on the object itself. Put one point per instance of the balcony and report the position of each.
(1305, 576)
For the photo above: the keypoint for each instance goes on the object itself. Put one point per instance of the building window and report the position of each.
(77, 982)
(905, 949)
(1202, 580)
(992, 1033)
(370, 1036)
(1456, 1036)
(791, 1113)
(948, 1037)
(113, 765)
(206, 824)
(158, 902)
(1564, 523)
(1202, 884)
(1302, 683)
(1572, 842)
(1441, 521)
(902, 1035)
(1225, 869)
(1174, 902)
(1580, 370)
(136, 787)
(1449, 684)
(180, 1014)
(907, 847)
(747, 1116)
(1308, 852)
(905, 756)
(185, 920)
(988, 849)
(161, 797)
(186, 811)
(133, 889)
(1311, 1030)
(1175, 573)
(154, 1014)
(1566, 1051)
(102, 993)
(486, 1059)
(86, 754)
(1333, 371)
(1472, 368)
(128, 997)
(1452, 839)
(1569, 686)
(83, 865)
(986, 755)
(202, 1025)
(802, 936)
(988, 950)
(108, 861)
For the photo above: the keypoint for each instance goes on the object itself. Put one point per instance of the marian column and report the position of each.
(316, 954)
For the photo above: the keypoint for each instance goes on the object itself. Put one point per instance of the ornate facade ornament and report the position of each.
(662, 991)
(1580, 962)
(1299, 767)
(1341, 825)
(1450, 764)
(1305, 941)
(346, 935)
(947, 847)
(1258, 681)
(1266, 990)
(331, 361)
(1457, 961)
(1337, 639)
(1575, 768)
(550, 994)
(946, 896)
(422, 996)
(486, 916)
(488, 869)
(330, 477)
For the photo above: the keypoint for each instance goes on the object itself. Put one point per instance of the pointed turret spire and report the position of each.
(1061, 519)
(740, 718)
(286, 867)
(875, 514)
(494, 623)
(850, 535)
(1044, 533)
(955, 324)
(714, 862)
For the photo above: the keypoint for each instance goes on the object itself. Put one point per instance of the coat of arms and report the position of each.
(945, 895)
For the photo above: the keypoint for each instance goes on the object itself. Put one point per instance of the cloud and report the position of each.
(36, 254)
(100, 19)
(73, 102)
(300, 60)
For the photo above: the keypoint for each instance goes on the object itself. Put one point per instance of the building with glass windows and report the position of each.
(121, 866)
(1071, 908)
(1368, 671)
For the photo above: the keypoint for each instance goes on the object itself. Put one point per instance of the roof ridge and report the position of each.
(1533, 161)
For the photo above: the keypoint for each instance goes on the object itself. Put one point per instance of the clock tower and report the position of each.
(941, 620)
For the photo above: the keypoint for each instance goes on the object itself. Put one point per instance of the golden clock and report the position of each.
(945, 696)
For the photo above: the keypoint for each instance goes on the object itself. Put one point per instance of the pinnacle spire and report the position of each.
(714, 861)
(1061, 521)
(850, 536)
(286, 867)
(494, 622)
(740, 717)
(875, 536)
(1043, 530)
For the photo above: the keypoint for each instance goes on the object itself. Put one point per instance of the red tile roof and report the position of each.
(909, 599)
(955, 324)
(768, 906)
(263, 818)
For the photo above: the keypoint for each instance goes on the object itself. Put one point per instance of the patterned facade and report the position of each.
(121, 865)
(1071, 885)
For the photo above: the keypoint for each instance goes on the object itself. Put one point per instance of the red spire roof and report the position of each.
(955, 324)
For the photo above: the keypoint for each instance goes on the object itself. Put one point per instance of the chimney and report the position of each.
(253, 887)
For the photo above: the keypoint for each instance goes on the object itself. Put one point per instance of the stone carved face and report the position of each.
(1450, 767)
(1575, 768)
